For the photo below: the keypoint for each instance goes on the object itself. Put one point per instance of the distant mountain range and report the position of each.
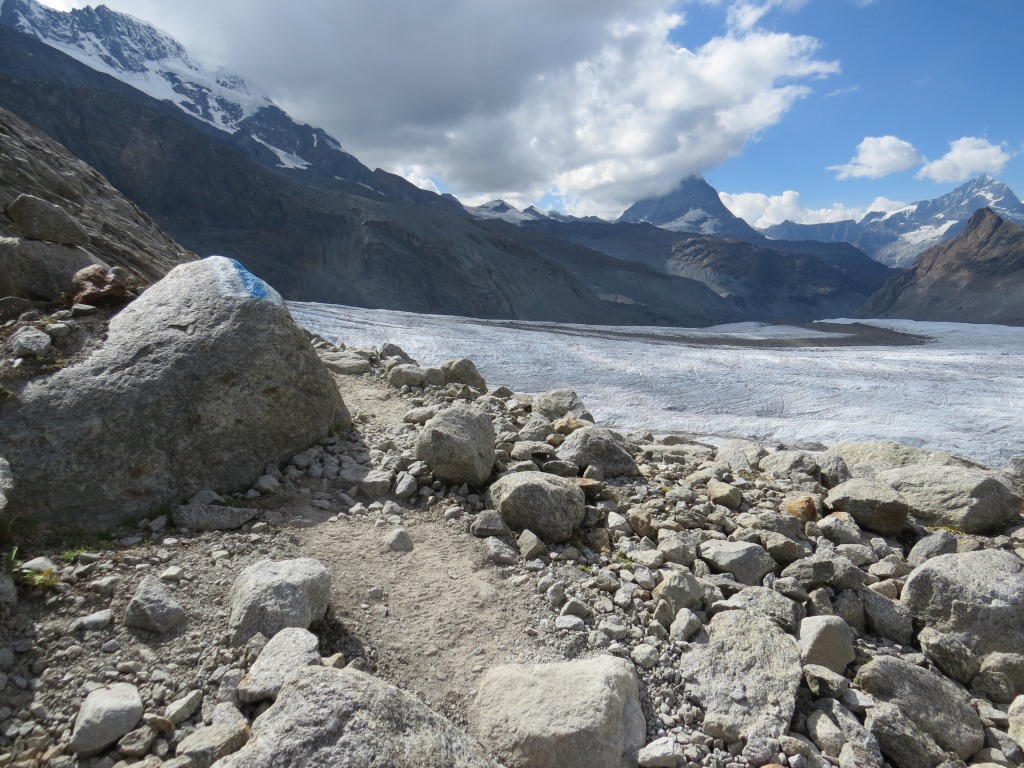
(222, 169)
(976, 277)
(897, 237)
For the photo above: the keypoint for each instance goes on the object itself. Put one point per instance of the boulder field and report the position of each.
(457, 574)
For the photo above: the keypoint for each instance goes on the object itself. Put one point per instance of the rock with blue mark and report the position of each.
(202, 381)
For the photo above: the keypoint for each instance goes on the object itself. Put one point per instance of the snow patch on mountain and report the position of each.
(285, 159)
(499, 209)
(141, 56)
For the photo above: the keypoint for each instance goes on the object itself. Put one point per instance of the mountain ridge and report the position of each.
(896, 238)
(976, 277)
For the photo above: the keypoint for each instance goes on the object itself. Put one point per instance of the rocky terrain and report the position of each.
(975, 277)
(440, 571)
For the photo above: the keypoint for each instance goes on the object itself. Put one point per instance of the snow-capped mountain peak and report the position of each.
(142, 56)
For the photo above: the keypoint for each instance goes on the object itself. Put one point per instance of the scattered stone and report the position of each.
(724, 494)
(211, 517)
(501, 552)
(182, 709)
(977, 598)
(153, 608)
(530, 545)
(29, 342)
(326, 716)
(287, 652)
(107, 715)
(552, 507)
(207, 745)
(489, 523)
(749, 563)
(745, 676)
(269, 596)
(578, 714)
(463, 371)
(597, 447)
(660, 753)
(932, 545)
(931, 702)
(209, 344)
(826, 641)
(557, 403)
(886, 618)
(766, 602)
(680, 589)
(399, 540)
(458, 444)
(873, 505)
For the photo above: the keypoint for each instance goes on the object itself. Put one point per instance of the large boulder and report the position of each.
(889, 454)
(106, 715)
(37, 219)
(549, 506)
(597, 447)
(463, 371)
(745, 674)
(749, 563)
(937, 707)
(557, 403)
(40, 271)
(875, 506)
(975, 599)
(458, 444)
(202, 381)
(576, 714)
(968, 499)
(326, 716)
(271, 595)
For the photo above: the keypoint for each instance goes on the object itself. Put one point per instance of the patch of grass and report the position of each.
(47, 579)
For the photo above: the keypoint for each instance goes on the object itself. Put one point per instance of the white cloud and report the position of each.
(878, 156)
(967, 157)
(744, 15)
(761, 210)
(586, 100)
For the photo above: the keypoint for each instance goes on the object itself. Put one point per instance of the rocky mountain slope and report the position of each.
(116, 230)
(315, 238)
(977, 277)
(898, 237)
(817, 281)
(154, 63)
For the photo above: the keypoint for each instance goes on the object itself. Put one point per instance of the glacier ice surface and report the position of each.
(962, 391)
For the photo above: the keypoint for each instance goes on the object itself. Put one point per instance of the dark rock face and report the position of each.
(771, 284)
(978, 277)
(113, 230)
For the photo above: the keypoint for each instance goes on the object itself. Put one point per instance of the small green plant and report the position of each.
(586, 569)
(10, 561)
(46, 579)
(71, 555)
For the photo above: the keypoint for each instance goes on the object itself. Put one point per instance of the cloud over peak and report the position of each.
(878, 156)
(592, 102)
(967, 157)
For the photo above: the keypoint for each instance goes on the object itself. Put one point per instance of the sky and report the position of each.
(809, 110)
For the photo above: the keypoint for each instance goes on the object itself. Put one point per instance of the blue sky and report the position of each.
(806, 109)
(928, 74)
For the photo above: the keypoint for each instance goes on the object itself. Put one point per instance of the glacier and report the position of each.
(960, 391)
